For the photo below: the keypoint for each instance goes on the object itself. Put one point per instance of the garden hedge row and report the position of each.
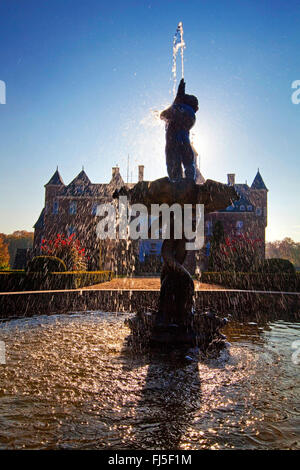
(13, 281)
(254, 281)
(77, 279)
(46, 264)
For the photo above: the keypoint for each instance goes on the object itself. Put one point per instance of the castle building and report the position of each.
(247, 216)
(72, 209)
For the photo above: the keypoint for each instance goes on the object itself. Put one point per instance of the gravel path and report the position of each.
(144, 283)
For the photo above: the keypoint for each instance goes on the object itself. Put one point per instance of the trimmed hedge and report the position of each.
(46, 264)
(21, 281)
(12, 281)
(5, 271)
(77, 279)
(254, 281)
(277, 265)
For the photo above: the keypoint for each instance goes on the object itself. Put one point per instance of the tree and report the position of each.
(286, 249)
(18, 239)
(4, 254)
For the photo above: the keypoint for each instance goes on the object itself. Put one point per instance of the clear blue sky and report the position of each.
(82, 77)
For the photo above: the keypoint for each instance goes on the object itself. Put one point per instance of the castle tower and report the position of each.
(259, 193)
(52, 188)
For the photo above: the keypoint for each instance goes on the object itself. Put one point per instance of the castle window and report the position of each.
(55, 207)
(239, 226)
(208, 226)
(71, 230)
(207, 249)
(73, 208)
(94, 209)
(249, 208)
(242, 208)
(258, 211)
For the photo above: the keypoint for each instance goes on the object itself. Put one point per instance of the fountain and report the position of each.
(176, 323)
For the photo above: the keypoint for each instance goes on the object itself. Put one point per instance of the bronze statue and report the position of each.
(180, 118)
(175, 321)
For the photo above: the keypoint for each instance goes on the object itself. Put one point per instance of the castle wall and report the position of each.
(102, 254)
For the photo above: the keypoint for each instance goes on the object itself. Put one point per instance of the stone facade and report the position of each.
(246, 216)
(72, 209)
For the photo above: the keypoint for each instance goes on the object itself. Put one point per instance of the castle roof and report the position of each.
(246, 199)
(258, 182)
(56, 179)
(81, 178)
(199, 177)
(40, 221)
(82, 186)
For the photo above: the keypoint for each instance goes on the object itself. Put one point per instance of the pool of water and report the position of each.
(70, 382)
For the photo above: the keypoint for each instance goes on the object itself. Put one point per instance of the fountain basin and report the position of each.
(71, 382)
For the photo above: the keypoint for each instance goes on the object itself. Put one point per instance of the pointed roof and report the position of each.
(81, 178)
(199, 177)
(56, 179)
(80, 186)
(258, 182)
(116, 181)
(40, 221)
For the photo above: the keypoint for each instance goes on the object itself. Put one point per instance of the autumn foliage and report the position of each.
(4, 254)
(286, 249)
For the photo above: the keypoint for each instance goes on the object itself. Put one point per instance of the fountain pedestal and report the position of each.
(176, 322)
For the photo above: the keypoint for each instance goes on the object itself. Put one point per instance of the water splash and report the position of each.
(178, 43)
(71, 382)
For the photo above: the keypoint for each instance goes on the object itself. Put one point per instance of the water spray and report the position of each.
(178, 43)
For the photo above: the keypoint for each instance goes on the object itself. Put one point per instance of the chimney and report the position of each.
(115, 171)
(141, 172)
(231, 179)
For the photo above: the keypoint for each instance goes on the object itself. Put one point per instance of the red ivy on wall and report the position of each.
(67, 248)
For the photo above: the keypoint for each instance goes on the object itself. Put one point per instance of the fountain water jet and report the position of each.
(175, 322)
(178, 43)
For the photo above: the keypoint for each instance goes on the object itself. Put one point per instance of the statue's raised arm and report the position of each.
(180, 92)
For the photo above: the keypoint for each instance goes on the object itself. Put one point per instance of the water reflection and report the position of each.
(70, 382)
(170, 395)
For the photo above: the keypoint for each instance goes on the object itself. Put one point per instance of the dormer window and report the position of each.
(258, 211)
(73, 208)
(242, 207)
(249, 208)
